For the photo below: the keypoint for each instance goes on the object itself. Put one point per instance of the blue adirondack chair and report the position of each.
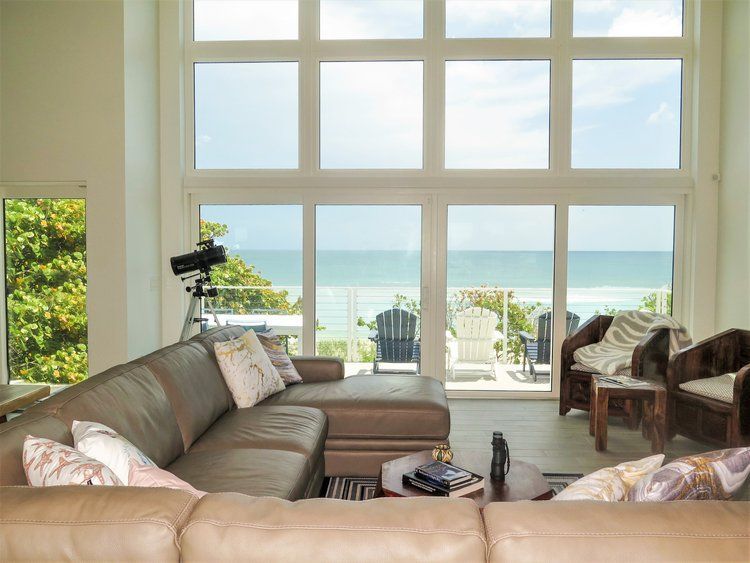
(538, 349)
(396, 339)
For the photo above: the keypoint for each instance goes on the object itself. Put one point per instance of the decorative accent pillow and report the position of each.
(48, 463)
(105, 445)
(711, 476)
(247, 370)
(149, 476)
(611, 484)
(276, 352)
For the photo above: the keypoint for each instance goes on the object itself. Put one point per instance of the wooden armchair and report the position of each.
(650, 359)
(704, 418)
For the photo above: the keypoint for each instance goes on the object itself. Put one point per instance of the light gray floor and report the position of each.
(537, 434)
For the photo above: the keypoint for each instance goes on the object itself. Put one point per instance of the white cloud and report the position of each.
(662, 115)
(222, 20)
(646, 23)
(372, 19)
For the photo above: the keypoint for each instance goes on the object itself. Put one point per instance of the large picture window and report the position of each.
(506, 167)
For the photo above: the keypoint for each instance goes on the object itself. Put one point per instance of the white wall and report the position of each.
(142, 191)
(733, 251)
(64, 87)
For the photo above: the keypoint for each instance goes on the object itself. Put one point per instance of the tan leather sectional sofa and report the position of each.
(173, 404)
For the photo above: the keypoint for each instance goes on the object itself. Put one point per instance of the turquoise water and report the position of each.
(341, 268)
(369, 280)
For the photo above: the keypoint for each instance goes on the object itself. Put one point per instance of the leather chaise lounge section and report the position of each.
(173, 404)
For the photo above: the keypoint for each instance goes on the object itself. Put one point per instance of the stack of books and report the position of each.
(443, 479)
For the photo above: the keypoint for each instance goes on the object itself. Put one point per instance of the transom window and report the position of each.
(437, 86)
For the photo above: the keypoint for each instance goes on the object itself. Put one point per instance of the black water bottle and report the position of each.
(500, 457)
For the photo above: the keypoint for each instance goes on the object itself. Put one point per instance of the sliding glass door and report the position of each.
(620, 257)
(500, 261)
(260, 286)
(368, 271)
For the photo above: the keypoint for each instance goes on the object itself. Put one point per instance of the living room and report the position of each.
(423, 223)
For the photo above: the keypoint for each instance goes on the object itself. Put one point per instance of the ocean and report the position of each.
(370, 279)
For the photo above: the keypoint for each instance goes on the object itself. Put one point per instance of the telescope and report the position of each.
(200, 261)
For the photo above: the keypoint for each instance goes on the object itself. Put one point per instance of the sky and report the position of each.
(626, 114)
(470, 227)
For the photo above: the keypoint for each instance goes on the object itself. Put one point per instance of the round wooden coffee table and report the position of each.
(523, 482)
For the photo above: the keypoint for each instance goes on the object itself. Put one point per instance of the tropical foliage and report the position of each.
(45, 261)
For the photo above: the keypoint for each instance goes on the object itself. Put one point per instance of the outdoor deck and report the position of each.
(507, 377)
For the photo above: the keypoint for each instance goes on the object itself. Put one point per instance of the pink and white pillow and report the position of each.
(107, 446)
(148, 476)
(48, 463)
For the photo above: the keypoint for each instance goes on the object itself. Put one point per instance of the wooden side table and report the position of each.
(14, 397)
(654, 397)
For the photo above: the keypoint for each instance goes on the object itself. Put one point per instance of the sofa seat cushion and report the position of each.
(293, 429)
(375, 406)
(255, 472)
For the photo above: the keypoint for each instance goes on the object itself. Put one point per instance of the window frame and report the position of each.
(561, 48)
(30, 190)
(559, 185)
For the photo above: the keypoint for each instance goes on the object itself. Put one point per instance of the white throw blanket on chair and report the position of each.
(615, 351)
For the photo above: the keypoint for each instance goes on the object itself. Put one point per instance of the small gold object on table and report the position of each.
(442, 452)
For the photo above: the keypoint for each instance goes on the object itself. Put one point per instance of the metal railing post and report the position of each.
(505, 326)
(351, 322)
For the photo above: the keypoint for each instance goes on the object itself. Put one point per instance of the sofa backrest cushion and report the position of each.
(81, 523)
(217, 334)
(193, 382)
(129, 400)
(224, 526)
(12, 435)
(615, 531)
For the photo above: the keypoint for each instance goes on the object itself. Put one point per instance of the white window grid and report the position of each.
(561, 48)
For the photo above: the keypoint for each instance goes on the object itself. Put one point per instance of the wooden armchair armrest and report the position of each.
(708, 358)
(651, 355)
(741, 398)
(588, 333)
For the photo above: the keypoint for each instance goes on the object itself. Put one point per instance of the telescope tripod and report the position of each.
(198, 291)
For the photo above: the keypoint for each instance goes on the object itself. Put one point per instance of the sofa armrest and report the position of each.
(315, 369)
(651, 355)
(590, 332)
(78, 523)
(708, 358)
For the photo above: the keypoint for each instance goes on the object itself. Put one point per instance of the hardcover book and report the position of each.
(443, 474)
(475, 483)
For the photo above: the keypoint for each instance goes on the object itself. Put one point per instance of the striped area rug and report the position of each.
(363, 488)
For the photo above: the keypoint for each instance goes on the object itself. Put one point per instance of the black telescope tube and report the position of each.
(198, 260)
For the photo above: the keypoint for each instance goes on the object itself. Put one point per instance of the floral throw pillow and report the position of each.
(714, 475)
(107, 446)
(276, 352)
(247, 370)
(611, 484)
(48, 463)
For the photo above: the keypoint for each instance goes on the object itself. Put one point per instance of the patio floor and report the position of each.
(507, 377)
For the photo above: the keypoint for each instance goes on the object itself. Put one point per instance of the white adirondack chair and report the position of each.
(475, 339)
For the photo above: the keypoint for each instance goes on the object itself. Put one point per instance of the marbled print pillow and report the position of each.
(611, 484)
(48, 463)
(714, 475)
(247, 370)
(276, 352)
